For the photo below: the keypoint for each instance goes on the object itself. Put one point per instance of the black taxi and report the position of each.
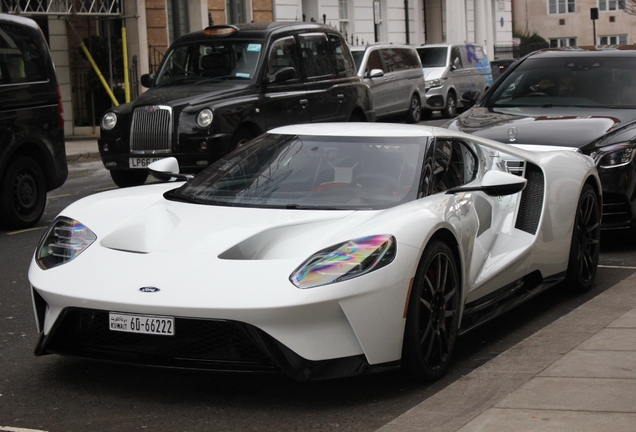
(219, 88)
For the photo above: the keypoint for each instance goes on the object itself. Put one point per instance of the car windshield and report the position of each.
(433, 57)
(209, 61)
(311, 172)
(584, 81)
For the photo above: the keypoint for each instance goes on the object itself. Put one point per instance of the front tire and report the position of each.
(125, 179)
(23, 194)
(433, 315)
(414, 114)
(241, 137)
(585, 246)
(451, 106)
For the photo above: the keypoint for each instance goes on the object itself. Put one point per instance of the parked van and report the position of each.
(32, 152)
(394, 73)
(450, 71)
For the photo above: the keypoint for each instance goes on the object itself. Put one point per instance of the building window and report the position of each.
(178, 23)
(610, 5)
(235, 11)
(613, 40)
(561, 6)
(343, 17)
(562, 42)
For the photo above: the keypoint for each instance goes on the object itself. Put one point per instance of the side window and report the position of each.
(344, 63)
(316, 56)
(456, 58)
(20, 58)
(374, 62)
(411, 58)
(397, 59)
(454, 164)
(282, 54)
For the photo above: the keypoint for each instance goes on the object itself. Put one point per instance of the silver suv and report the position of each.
(394, 73)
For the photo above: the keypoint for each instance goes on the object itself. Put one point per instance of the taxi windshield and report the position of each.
(208, 61)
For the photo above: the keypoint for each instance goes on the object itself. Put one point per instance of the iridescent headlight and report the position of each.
(345, 261)
(109, 121)
(64, 240)
(614, 156)
(204, 118)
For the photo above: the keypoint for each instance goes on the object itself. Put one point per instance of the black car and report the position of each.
(583, 98)
(32, 151)
(220, 87)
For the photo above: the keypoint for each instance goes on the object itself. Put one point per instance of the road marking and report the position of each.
(59, 196)
(617, 267)
(12, 429)
(23, 231)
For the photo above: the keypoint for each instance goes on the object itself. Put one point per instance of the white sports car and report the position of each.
(317, 250)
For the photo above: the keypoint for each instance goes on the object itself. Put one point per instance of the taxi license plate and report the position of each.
(141, 162)
(147, 324)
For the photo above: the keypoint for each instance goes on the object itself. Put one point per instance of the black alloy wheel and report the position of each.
(585, 246)
(125, 179)
(451, 106)
(23, 194)
(433, 315)
(414, 114)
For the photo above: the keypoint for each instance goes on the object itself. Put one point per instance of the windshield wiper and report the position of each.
(178, 79)
(174, 195)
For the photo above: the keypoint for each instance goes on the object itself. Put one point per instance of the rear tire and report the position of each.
(23, 194)
(433, 315)
(414, 114)
(585, 246)
(125, 179)
(241, 137)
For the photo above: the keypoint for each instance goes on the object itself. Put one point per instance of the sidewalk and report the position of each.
(576, 374)
(81, 148)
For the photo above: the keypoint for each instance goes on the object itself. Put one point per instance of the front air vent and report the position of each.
(151, 130)
(516, 167)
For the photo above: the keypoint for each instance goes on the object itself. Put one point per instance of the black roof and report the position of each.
(592, 51)
(259, 30)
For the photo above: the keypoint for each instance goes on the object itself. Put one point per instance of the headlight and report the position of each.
(433, 83)
(345, 261)
(63, 241)
(204, 118)
(614, 156)
(109, 121)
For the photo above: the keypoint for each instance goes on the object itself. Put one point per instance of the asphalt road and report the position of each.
(54, 393)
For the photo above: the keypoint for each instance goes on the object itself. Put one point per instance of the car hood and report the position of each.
(180, 95)
(432, 73)
(154, 224)
(563, 127)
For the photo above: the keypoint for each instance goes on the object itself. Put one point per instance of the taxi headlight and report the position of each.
(204, 118)
(109, 121)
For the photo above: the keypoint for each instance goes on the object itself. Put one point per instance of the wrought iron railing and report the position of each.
(62, 7)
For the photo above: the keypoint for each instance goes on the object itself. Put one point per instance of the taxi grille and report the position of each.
(197, 343)
(151, 130)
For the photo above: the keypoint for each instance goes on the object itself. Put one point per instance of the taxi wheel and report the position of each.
(125, 179)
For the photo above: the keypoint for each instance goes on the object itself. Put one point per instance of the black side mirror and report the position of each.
(282, 74)
(470, 98)
(147, 80)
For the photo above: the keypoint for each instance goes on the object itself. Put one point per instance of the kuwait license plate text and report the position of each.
(159, 325)
(141, 162)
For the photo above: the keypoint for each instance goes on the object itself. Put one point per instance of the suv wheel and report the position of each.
(125, 179)
(23, 194)
(414, 113)
(451, 106)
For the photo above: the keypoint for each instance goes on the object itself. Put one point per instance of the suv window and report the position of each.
(397, 59)
(20, 59)
(316, 55)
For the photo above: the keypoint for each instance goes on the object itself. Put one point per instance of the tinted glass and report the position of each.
(344, 65)
(432, 57)
(312, 172)
(396, 59)
(215, 60)
(454, 165)
(582, 81)
(20, 59)
(282, 54)
(316, 55)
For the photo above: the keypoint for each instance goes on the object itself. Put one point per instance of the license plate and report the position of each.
(147, 324)
(141, 162)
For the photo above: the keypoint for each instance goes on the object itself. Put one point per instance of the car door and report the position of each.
(381, 86)
(284, 102)
(459, 74)
(324, 90)
(396, 72)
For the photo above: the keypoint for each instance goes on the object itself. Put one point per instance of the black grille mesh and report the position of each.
(85, 333)
(531, 200)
